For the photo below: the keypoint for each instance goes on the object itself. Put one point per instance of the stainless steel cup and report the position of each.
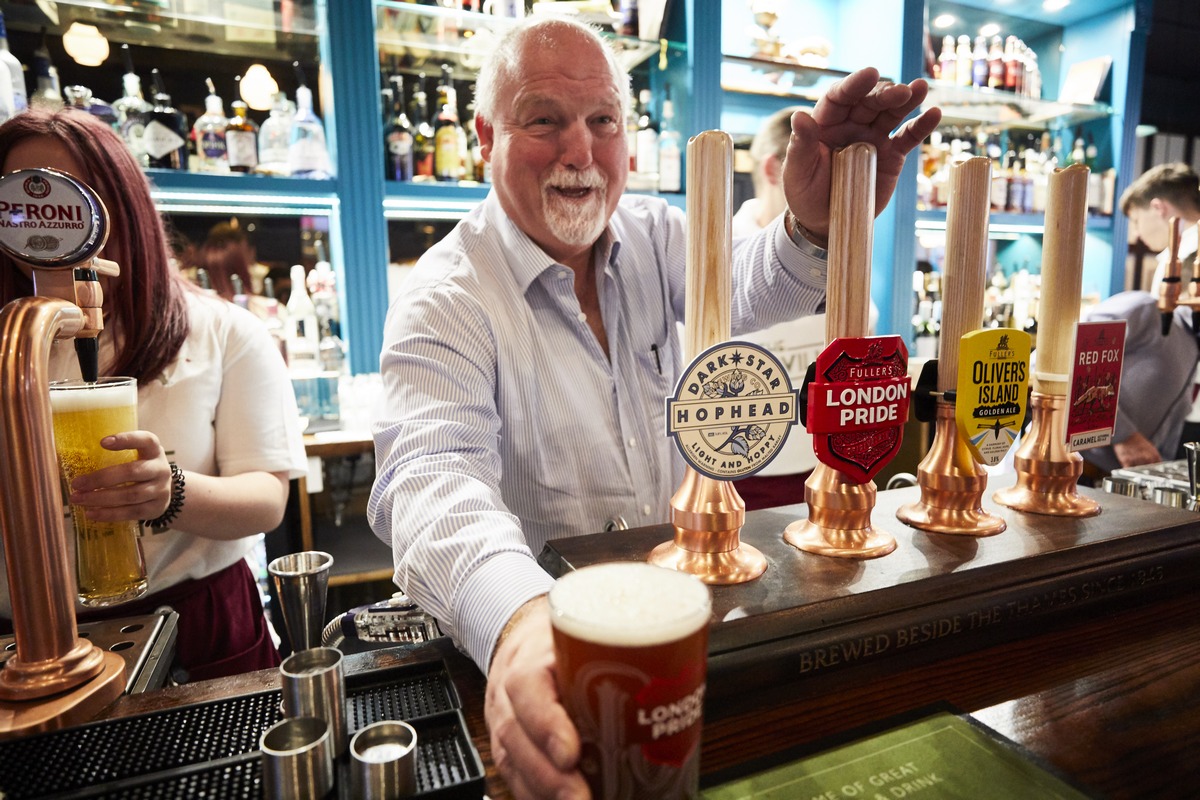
(302, 584)
(297, 759)
(1170, 496)
(1122, 486)
(314, 685)
(383, 761)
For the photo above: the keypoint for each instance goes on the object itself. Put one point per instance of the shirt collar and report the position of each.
(526, 258)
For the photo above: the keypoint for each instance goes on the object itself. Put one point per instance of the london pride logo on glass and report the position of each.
(732, 410)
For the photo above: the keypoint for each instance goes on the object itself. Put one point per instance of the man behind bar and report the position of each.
(526, 363)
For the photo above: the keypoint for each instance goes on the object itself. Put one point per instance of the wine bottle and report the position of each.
(241, 139)
(398, 136)
(211, 148)
(165, 136)
(423, 135)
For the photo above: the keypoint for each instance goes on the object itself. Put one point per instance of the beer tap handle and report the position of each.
(1194, 289)
(1168, 290)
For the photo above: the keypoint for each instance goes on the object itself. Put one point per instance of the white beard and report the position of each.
(576, 222)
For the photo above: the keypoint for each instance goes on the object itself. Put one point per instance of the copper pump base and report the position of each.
(20, 718)
(1047, 473)
(951, 494)
(708, 515)
(839, 518)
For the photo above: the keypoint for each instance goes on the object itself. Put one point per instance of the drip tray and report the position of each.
(210, 749)
(146, 642)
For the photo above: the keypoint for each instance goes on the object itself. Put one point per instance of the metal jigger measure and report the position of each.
(952, 492)
(708, 514)
(302, 584)
(839, 508)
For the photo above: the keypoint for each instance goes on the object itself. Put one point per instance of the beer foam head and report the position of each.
(629, 604)
(82, 396)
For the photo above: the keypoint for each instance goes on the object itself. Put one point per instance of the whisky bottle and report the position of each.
(241, 139)
(447, 156)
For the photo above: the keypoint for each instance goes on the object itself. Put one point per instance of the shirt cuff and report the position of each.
(490, 596)
(810, 265)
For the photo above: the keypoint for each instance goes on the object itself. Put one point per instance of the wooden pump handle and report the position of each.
(1062, 277)
(966, 262)
(851, 233)
(709, 284)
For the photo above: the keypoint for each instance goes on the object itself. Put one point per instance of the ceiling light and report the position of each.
(944, 20)
(1055, 5)
(258, 88)
(86, 44)
(991, 29)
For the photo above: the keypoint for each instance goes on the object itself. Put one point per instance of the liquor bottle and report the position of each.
(479, 168)
(447, 159)
(272, 315)
(979, 62)
(670, 152)
(423, 134)
(212, 154)
(948, 61)
(81, 97)
(965, 59)
(398, 136)
(15, 71)
(629, 18)
(48, 94)
(308, 156)
(241, 139)
(165, 136)
(322, 289)
(631, 130)
(240, 298)
(1010, 63)
(996, 64)
(133, 112)
(273, 137)
(304, 333)
(647, 139)
(1001, 173)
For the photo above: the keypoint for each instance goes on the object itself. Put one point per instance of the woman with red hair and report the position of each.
(221, 435)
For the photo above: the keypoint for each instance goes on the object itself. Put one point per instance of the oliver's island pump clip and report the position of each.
(54, 224)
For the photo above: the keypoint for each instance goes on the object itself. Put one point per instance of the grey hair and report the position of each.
(771, 140)
(503, 62)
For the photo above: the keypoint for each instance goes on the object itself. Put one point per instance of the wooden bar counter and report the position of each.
(1109, 696)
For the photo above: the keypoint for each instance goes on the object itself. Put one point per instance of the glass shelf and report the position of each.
(419, 36)
(1000, 222)
(1004, 110)
(776, 77)
(248, 29)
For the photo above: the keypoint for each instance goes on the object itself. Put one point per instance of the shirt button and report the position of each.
(562, 273)
(816, 273)
(633, 442)
(645, 511)
(582, 317)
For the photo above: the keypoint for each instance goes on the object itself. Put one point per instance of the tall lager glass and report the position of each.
(631, 644)
(110, 567)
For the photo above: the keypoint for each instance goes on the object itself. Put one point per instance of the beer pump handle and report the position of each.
(851, 234)
(966, 262)
(1062, 277)
(1169, 289)
(709, 244)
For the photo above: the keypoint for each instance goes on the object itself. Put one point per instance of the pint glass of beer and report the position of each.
(109, 564)
(630, 640)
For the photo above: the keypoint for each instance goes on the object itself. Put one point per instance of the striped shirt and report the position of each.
(504, 425)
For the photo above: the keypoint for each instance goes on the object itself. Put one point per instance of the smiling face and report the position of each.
(557, 142)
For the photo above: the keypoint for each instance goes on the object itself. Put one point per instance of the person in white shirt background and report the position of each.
(796, 343)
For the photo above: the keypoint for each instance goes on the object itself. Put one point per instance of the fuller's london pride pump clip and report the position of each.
(992, 391)
(857, 404)
(732, 410)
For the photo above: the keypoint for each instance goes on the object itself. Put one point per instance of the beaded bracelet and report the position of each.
(164, 520)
